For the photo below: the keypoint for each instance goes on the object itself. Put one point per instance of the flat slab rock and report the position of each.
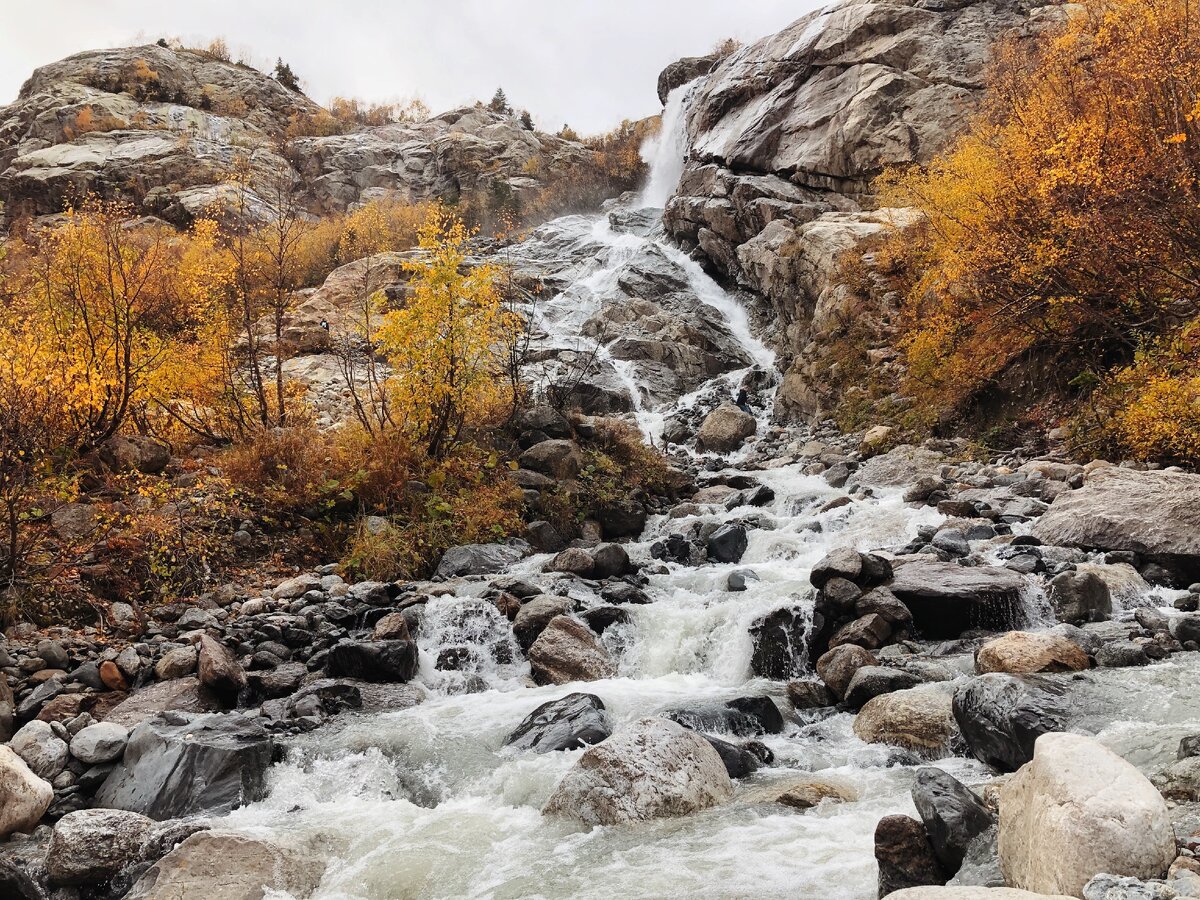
(947, 599)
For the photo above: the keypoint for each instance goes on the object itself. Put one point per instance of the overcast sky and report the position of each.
(590, 63)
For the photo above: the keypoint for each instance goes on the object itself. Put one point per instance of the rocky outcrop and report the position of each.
(786, 135)
(684, 71)
(653, 769)
(1078, 810)
(1154, 514)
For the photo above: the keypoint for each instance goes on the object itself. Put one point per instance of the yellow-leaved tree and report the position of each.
(446, 343)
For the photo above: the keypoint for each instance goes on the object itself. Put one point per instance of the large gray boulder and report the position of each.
(655, 768)
(44, 751)
(1001, 716)
(725, 429)
(574, 721)
(947, 599)
(478, 559)
(177, 765)
(1155, 514)
(178, 695)
(1078, 810)
(213, 865)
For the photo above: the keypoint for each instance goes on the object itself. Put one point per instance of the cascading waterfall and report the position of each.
(426, 802)
(666, 152)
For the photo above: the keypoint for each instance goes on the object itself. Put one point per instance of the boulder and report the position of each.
(1078, 810)
(478, 559)
(970, 892)
(1024, 652)
(725, 429)
(843, 562)
(1001, 716)
(742, 716)
(573, 561)
(918, 719)
(557, 459)
(727, 543)
(533, 617)
(947, 599)
(134, 453)
(176, 663)
(801, 792)
(180, 695)
(574, 721)
(567, 651)
(655, 768)
(739, 760)
(219, 671)
(1153, 513)
(42, 749)
(953, 816)
(873, 681)
(870, 631)
(610, 561)
(905, 856)
(177, 765)
(1180, 781)
(101, 743)
(780, 639)
(837, 666)
(378, 661)
(24, 797)
(212, 865)
(1079, 597)
(91, 846)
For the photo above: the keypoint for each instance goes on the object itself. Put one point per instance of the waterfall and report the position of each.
(667, 151)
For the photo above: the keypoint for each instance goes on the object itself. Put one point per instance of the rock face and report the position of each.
(1024, 652)
(24, 798)
(682, 71)
(1078, 810)
(177, 765)
(1001, 716)
(653, 769)
(211, 865)
(1155, 514)
(162, 127)
(786, 134)
(575, 721)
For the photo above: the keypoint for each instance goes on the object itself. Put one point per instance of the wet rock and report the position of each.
(918, 719)
(42, 749)
(837, 666)
(574, 721)
(558, 459)
(1001, 716)
(780, 644)
(740, 580)
(981, 863)
(905, 856)
(379, 661)
(741, 716)
(181, 694)
(873, 681)
(574, 561)
(567, 651)
(1155, 514)
(870, 631)
(177, 765)
(248, 869)
(544, 537)
(725, 429)
(727, 543)
(101, 743)
(738, 759)
(802, 792)
(176, 663)
(610, 561)
(655, 768)
(621, 592)
(1023, 653)
(91, 846)
(24, 797)
(621, 518)
(947, 599)
(478, 559)
(1078, 810)
(952, 814)
(535, 615)
(600, 618)
(1079, 597)
(219, 671)
(392, 627)
(970, 892)
(809, 695)
(1120, 654)
(1180, 781)
(683, 71)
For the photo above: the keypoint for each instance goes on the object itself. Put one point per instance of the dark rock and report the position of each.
(946, 599)
(684, 71)
(742, 716)
(739, 761)
(621, 592)
(610, 561)
(870, 631)
(1079, 597)
(544, 537)
(780, 639)
(622, 518)
(872, 681)
(535, 615)
(574, 721)
(808, 695)
(727, 543)
(601, 617)
(178, 765)
(905, 855)
(1000, 716)
(952, 814)
(545, 419)
(1120, 654)
(380, 661)
(837, 666)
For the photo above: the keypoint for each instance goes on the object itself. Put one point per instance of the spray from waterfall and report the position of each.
(666, 152)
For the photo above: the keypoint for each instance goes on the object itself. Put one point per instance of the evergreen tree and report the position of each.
(526, 120)
(285, 76)
(499, 103)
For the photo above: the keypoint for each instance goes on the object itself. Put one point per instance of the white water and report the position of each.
(427, 803)
(666, 152)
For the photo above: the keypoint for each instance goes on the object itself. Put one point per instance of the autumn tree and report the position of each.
(445, 344)
(1065, 223)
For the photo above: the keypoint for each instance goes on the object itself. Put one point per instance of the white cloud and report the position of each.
(587, 63)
